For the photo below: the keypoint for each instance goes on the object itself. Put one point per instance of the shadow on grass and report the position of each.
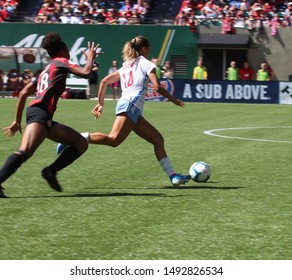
(205, 186)
(86, 195)
(201, 187)
(210, 185)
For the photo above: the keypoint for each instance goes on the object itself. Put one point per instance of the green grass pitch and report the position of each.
(118, 204)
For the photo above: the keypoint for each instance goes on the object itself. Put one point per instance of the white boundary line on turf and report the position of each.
(211, 133)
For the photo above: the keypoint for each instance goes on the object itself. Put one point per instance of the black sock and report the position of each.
(66, 158)
(13, 162)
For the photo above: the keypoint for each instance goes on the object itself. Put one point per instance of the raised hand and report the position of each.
(92, 50)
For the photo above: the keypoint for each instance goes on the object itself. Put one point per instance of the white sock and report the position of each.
(85, 135)
(166, 166)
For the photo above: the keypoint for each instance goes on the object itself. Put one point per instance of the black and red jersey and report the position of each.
(51, 83)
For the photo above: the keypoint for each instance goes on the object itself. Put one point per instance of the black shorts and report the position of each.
(39, 115)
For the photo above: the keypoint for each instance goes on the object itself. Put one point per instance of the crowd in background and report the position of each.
(89, 12)
(7, 8)
(230, 14)
(235, 73)
(253, 15)
(15, 81)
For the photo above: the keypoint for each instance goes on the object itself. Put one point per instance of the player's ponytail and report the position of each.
(131, 49)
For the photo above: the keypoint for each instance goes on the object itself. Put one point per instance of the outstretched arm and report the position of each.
(160, 89)
(85, 72)
(28, 90)
(109, 79)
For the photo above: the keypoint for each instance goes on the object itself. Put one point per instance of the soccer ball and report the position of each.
(200, 171)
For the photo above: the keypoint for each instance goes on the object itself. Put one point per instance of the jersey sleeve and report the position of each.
(148, 66)
(151, 67)
(66, 64)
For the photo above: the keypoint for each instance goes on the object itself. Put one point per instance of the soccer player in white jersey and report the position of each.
(134, 76)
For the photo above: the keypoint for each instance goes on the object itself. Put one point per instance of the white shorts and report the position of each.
(125, 106)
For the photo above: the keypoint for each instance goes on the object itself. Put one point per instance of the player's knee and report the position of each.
(114, 141)
(161, 140)
(114, 144)
(82, 145)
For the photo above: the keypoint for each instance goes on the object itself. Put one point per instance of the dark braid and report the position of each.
(53, 43)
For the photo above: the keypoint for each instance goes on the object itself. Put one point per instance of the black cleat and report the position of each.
(2, 194)
(51, 179)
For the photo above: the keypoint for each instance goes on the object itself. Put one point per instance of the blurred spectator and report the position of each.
(74, 3)
(142, 8)
(158, 70)
(123, 19)
(12, 80)
(83, 6)
(246, 73)
(127, 6)
(87, 17)
(239, 19)
(167, 71)
(250, 23)
(275, 24)
(181, 19)
(192, 23)
(66, 16)
(209, 10)
(232, 72)
(54, 18)
(288, 14)
(99, 17)
(115, 86)
(263, 73)
(26, 77)
(200, 72)
(135, 18)
(76, 18)
(126, 16)
(187, 5)
(256, 10)
(12, 3)
(244, 5)
(235, 4)
(267, 9)
(93, 81)
(227, 25)
(51, 12)
(93, 10)
(59, 8)
(6, 10)
(270, 70)
(2, 74)
(42, 17)
(111, 17)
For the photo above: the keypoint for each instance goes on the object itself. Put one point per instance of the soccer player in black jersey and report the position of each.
(49, 86)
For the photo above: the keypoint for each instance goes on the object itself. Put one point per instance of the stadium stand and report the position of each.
(241, 14)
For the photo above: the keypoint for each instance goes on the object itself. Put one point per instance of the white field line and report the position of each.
(212, 132)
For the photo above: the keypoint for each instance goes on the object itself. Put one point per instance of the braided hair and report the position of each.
(53, 43)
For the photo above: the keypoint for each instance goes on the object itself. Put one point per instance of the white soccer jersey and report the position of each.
(134, 80)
